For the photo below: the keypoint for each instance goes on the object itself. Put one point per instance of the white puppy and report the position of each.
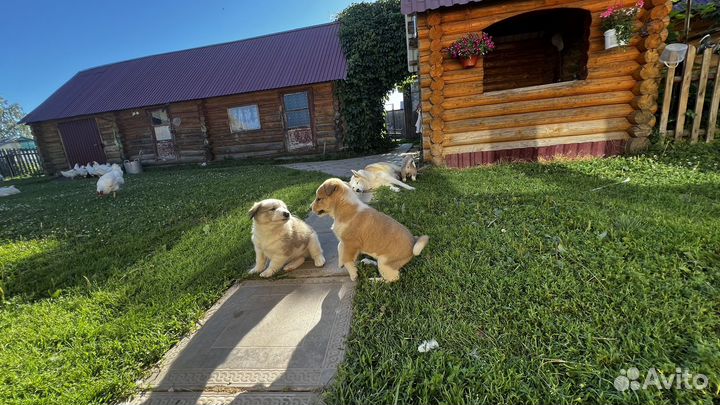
(377, 175)
(282, 238)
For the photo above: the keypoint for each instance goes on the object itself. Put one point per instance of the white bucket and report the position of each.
(611, 39)
(133, 167)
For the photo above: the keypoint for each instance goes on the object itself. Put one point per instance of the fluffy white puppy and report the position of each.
(281, 238)
(376, 175)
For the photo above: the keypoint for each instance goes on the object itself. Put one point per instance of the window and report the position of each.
(297, 111)
(161, 125)
(245, 118)
(538, 47)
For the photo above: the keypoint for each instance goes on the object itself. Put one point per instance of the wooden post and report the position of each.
(436, 87)
(700, 100)
(667, 99)
(714, 107)
(684, 93)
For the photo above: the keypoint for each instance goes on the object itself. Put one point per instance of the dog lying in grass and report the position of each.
(362, 229)
(376, 175)
(408, 168)
(282, 238)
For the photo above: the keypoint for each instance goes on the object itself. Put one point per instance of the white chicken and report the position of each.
(110, 182)
(80, 170)
(6, 191)
(91, 169)
(101, 169)
(70, 174)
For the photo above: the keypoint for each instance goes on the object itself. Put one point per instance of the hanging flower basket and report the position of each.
(618, 24)
(470, 47)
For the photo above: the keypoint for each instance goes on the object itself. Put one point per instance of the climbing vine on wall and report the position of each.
(373, 38)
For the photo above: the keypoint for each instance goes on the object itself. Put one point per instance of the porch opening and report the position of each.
(536, 48)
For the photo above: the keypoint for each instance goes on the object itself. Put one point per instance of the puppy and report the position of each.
(362, 229)
(408, 168)
(282, 238)
(376, 175)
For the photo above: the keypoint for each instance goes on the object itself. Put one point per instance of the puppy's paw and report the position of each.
(353, 277)
(320, 261)
(266, 274)
(254, 270)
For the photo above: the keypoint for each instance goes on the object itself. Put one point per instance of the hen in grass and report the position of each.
(110, 182)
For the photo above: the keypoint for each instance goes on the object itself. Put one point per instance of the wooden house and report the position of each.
(550, 87)
(266, 96)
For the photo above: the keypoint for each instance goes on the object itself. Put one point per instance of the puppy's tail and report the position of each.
(420, 244)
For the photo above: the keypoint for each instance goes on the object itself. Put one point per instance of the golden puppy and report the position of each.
(281, 237)
(376, 175)
(362, 229)
(408, 168)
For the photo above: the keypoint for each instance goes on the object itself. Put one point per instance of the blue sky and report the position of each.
(44, 43)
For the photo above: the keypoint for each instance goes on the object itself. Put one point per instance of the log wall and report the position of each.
(615, 103)
(204, 130)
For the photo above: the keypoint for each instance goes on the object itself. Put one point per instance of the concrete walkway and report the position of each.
(341, 168)
(276, 341)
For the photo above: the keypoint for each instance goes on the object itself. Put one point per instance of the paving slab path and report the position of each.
(276, 341)
(341, 168)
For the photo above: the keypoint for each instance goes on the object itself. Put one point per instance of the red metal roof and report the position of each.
(419, 6)
(291, 58)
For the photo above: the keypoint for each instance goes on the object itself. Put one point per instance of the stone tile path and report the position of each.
(275, 341)
(341, 168)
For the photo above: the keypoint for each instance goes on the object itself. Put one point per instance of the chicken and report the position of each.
(91, 169)
(80, 170)
(6, 191)
(70, 174)
(101, 169)
(110, 182)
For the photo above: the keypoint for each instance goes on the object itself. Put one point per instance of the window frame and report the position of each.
(285, 110)
(168, 125)
(244, 131)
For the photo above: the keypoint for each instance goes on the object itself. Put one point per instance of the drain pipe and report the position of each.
(688, 10)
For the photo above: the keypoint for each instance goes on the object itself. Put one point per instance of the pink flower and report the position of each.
(640, 4)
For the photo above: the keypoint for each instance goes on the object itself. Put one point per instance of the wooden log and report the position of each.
(461, 96)
(538, 132)
(660, 11)
(437, 137)
(684, 93)
(714, 104)
(531, 143)
(700, 99)
(641, 117)
(644, 102)
(648, 71)
(649, 56)
(638, 131)
(549, 104)
(655, 26)
(614, 70)
(649, 86)
(540, 118)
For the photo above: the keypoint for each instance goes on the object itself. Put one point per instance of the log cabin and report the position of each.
(550, 88)
(266, 96)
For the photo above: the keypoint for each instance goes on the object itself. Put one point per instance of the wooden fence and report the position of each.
(700, 78)
(19, 162)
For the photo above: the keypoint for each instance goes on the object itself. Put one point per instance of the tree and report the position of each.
(10, 115)
(373, 38)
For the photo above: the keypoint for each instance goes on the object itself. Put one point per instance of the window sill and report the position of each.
(549, 86)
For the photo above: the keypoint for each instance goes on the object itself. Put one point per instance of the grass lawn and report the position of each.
(537, 289)
(540, 290)
(95, 291)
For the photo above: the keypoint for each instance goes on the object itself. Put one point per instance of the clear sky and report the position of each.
(45, 42)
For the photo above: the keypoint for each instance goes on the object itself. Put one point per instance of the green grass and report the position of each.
(540, 290)
(94, 291)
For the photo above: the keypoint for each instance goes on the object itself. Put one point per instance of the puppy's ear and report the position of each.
(329, 189)
(253, 210)
(356, 173)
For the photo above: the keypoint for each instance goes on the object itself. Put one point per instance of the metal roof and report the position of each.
(419, 6)
(290, 58)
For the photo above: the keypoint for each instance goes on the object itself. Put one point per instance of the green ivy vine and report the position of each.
(373, 38)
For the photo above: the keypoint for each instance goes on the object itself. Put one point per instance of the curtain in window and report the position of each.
(244, 118)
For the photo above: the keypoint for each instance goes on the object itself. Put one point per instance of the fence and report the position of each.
(695, 83)
(395, 121)
(19, 162)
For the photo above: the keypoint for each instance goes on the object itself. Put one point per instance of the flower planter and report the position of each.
(469, 61)
(611, 40)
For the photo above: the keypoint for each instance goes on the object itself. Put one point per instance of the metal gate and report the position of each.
(82, 142)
